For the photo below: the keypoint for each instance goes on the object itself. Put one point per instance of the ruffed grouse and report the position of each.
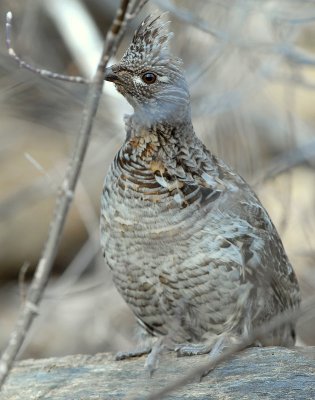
(192, 250)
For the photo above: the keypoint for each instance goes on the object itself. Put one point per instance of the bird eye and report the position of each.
(149, 77)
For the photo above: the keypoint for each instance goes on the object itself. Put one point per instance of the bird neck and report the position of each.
(179, 127)
(157, 141)
(164, 113)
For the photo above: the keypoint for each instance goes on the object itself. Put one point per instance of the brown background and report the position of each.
(251, 73)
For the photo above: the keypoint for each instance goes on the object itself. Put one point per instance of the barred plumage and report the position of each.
(192, 250)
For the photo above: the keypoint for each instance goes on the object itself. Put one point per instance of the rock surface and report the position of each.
(257, 373)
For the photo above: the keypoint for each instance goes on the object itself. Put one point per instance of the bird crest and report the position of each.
(150, 43)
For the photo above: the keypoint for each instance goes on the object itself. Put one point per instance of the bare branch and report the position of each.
(288, 161)
(135, 11)
(25, 65)
(293, 55)
(38, 284)
(22, 274)
(186, 16)
(84, 44)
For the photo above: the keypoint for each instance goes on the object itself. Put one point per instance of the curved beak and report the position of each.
(111, 75)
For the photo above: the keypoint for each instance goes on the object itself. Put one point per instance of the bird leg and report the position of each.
(152, 360)
(153, 350)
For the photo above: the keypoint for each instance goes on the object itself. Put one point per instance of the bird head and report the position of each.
(149, 76)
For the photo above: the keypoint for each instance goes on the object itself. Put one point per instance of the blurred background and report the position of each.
(250, 66)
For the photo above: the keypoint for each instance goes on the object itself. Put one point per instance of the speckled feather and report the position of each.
(192, 250)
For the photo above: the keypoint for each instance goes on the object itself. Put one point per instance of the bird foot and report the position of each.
(153, 352)
(213, 348)
(192, 349)
(137, 352)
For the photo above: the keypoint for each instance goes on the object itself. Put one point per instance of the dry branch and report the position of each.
(287, 161)
(25, 65)
(29, 309)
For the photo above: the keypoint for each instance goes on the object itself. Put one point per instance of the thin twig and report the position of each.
(35, 70)
(287, 161)
(137, 8)
(22, 274)
(38, 284)
(84, 44)
(245, 341)
(187, 17)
